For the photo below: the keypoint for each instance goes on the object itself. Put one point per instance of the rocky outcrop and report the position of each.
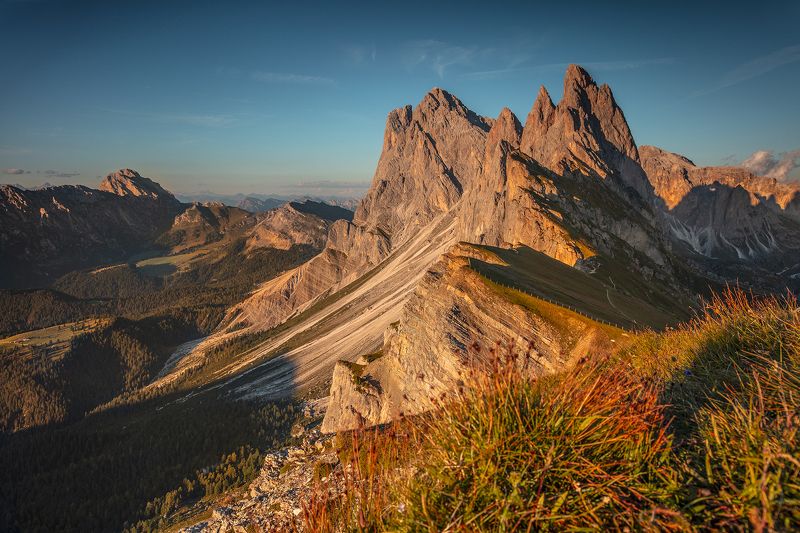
(430, 155)
(452, 324)
(673, 176)
(292, 224)
(284, 485)
(500, 208)
(349, 252)
(288, 226)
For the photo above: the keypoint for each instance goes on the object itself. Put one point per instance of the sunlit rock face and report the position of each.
(726, 213)
(586, 132)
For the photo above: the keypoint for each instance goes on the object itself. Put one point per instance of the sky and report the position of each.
(292, 97)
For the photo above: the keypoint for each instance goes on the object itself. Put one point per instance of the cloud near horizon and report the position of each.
(61, 173)
(51, 173)
(779, 166)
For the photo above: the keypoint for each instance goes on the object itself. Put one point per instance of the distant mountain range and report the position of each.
(263, 202)
(49, 231)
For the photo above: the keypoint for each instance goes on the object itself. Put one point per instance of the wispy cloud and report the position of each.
(596, 66)
(14, 150)
(210, 120)
(441, 56)
(50, 173)
(358, 54)
(767, 163)
(290, 78)
(608, 66)
(755, 68)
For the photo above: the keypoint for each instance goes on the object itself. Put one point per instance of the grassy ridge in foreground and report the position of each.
(695, 427)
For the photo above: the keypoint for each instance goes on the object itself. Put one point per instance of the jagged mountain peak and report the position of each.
(536, 123)
(585, 133)
(128, 182)
(505, 128)
(543, 104)
(440, 97)
(577, 76)
(438, 102)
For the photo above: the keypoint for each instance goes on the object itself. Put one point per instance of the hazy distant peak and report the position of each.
(128, 182)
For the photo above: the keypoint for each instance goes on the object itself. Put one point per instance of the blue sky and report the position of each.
(291, 98)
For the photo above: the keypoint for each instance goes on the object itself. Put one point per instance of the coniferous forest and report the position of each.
(82, 448)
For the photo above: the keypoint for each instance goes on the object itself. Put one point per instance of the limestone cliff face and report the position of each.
(430, 153)
(586, 133)
(500, 209)
(350, 251)
(451, 323)
(518, 202)
(673, 177)
(726, 213)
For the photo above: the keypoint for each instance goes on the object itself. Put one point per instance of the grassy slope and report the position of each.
(694, 427)
(55, 337)
(592, 295)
